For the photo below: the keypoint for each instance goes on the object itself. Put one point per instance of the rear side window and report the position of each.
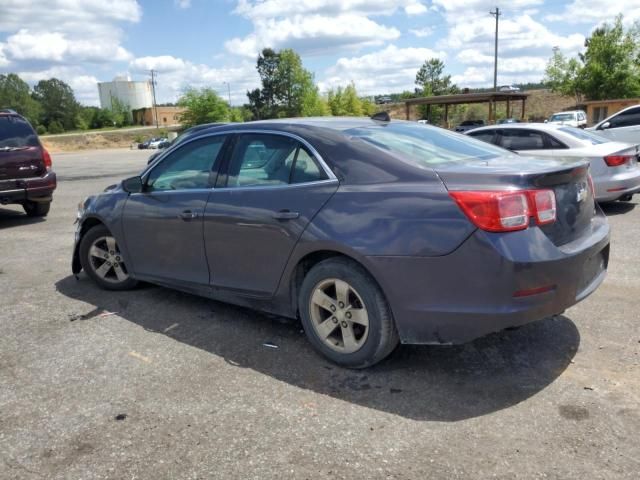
(15, 132)
(515, 139)
(592, 138)
(271, 160)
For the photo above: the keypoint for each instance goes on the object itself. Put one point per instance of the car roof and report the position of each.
(568, 111)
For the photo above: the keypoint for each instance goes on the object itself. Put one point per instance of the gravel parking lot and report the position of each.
(159, 384)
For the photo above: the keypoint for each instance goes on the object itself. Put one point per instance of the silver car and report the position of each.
(623, 126)
(614, 165)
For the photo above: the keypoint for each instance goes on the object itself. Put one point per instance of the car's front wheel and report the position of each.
(345, 314)
(102, 260)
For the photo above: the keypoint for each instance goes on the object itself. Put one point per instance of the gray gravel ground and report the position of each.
(199, 396)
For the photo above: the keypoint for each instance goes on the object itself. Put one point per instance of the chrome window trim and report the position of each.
(331, 176)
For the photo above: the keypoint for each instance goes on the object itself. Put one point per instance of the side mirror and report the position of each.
(546, 121)
(132, 185)
(604, 126)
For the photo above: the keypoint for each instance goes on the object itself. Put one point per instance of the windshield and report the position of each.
(562, 117)
(16, 133)
(590, 137)
(425, 145)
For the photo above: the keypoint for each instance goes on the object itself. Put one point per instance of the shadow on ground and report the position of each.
(617, 208)
(423, 383)
(16, 218)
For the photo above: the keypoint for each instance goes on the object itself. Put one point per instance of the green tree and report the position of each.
(562, 75)
(611, 63)
(16, 95)
(55, 127)
(313, 105)
(431, 79)
(608, 68)
(58, 103)
(202, 105)
(288, 89)
(121, 112)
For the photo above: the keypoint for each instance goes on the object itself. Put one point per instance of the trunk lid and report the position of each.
(567, 178)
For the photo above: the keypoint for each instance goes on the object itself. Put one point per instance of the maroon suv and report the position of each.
(26, 177)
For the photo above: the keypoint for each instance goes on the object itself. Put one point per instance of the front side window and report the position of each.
(271, 160)
(189, 167)
(516, 139)
(628, 118)
(484, 135)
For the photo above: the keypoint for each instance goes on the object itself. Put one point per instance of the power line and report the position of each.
(153, 89)
(495, 59)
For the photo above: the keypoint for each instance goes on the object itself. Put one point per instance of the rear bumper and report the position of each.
(37, 189)
(469, 293)
(617, 185)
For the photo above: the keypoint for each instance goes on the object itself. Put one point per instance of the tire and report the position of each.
(348, 342)
(101, 259)
(36, 209)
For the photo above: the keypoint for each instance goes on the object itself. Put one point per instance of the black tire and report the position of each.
(382, 337)
(87, 241)
(36, 209)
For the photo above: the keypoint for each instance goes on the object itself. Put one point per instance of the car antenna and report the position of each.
(381, 117)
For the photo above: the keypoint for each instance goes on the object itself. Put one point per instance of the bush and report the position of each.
(55, 127)
(41, 130)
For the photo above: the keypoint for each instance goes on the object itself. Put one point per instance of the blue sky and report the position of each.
(377, 44)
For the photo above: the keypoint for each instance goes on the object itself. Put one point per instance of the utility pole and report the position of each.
(495, 59)
(153, 89)
(228, 91)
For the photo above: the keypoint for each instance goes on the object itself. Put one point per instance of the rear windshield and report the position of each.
(16, 132)
(562, 117)
(426, 145)
(592, 138)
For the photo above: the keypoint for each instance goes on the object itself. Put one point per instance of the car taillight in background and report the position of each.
(618, 160)
(506, 211)
(46, 158)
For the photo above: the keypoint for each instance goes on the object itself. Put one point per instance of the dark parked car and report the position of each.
(146, 144)
(469, 125)
(26, 177)
(371, 232)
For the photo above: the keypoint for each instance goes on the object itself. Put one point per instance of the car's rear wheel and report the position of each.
(345, 314)
(36, 209)
(102, 260)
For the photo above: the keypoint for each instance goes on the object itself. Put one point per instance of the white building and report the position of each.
(134, 94)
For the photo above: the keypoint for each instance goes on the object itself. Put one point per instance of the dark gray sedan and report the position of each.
(372, 232)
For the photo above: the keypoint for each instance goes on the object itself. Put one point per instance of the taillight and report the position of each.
(617, 160)
(506, 211)
(46, 158)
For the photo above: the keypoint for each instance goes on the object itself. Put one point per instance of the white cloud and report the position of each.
(176, 74)
(312, 34)
(595, 11)
(85, 87)
(421, 32)
(318, 26)
(58, 48)
(388, 70)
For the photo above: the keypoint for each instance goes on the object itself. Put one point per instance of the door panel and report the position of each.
(163, 225)
(251, 232)
(163, 239)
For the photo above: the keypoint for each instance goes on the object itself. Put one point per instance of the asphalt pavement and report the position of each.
(158, 384)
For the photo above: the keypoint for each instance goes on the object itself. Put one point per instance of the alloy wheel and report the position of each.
(339, 316)
(106, 260)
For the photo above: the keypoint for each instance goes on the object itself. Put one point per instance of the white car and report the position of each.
(614, 165)
(509, 88)
(623, 126)
(573, 118)
(157, 142)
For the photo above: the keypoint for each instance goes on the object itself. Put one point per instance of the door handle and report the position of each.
(285, 215)
(188, 215)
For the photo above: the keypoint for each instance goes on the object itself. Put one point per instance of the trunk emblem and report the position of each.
(581, 193)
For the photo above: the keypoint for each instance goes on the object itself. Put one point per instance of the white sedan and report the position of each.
(614, 165)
